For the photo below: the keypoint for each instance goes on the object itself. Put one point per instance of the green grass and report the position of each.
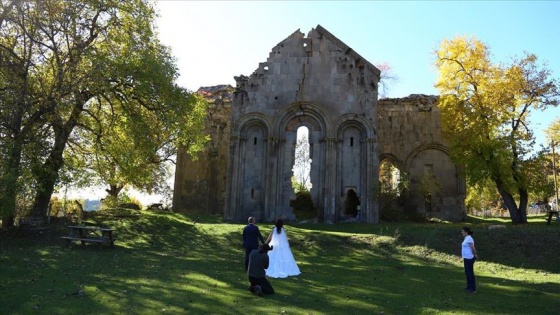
(164, 263)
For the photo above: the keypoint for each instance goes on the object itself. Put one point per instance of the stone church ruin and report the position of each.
(320, 84)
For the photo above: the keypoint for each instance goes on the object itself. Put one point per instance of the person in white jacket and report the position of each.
(282, 263)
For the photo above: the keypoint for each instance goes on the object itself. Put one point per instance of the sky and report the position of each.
(213, 41)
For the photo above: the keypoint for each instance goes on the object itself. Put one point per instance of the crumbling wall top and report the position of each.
(422, 102)
(218, 94)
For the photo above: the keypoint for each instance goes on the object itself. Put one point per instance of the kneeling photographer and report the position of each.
(258, 262)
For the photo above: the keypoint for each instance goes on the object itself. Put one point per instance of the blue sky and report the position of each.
(214, 41)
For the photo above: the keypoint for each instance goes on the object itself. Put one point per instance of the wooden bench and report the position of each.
(31, 224)
(549, 217)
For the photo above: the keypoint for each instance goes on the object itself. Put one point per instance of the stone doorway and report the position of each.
(351, 203)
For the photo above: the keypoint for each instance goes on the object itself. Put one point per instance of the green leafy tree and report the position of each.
(485, 115)
(553, 131)
(482, 196)
(540, 176)
(134, 152)
(390, 191)
(70, 68)
(553, 137)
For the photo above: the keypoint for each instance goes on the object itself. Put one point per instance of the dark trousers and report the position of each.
(247, 252)
(469, 272)
(263, 283)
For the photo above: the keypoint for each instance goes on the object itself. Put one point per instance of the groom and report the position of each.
(251, 237)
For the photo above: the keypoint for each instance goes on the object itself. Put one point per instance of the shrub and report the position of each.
(122, 201)
(303, 206)
(68, 208)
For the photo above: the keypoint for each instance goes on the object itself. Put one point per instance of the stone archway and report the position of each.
(436, 187)
(282, 152)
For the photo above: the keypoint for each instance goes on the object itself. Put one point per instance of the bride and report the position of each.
(282, 263)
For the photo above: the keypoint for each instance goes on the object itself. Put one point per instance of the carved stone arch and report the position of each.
(436, 186)
(249, 144)
(357, 121)
(309, 114)
(392, 159)
(243, 123)
(282, 153)
(354, 164)
(416, 151)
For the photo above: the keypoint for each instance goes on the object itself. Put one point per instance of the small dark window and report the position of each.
(255, 141)
(351, 141)
(252, 194)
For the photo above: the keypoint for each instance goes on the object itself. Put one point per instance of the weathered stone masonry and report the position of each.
(320, 83)
(410, 138)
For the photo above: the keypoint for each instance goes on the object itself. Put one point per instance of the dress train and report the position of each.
(281, 260)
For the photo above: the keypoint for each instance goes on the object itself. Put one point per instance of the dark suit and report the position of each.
(251, 237)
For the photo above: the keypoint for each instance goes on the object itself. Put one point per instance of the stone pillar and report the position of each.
(371, 211)
(329, 186)
(233, 204)
(272, 179)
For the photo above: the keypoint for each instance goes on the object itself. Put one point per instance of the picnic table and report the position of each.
(94, 234)
(550, 214)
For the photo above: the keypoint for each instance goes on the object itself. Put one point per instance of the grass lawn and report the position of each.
(165, 263)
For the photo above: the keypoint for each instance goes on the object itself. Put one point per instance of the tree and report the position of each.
(482, 196)
(553, 136)
(121, 152)
(389, 191)
(302, 165)
(83, 67)
(485, 115)
(387, 78)
(553, 131)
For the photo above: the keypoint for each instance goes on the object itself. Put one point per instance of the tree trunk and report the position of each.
(517, 177)
(114, 190)
(517, 215)
(46, 179)
(48, 175)
(523, 200)
(9, 183)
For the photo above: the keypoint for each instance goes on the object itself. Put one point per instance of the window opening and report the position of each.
(301, 179)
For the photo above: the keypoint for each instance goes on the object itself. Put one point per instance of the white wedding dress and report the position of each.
(281, 260)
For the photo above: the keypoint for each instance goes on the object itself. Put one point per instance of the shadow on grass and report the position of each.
(530, 246)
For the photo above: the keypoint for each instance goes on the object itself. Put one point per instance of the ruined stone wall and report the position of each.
(200, 183)
(410, 138)
(407, 123)
(320, 83)
(317, 82)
